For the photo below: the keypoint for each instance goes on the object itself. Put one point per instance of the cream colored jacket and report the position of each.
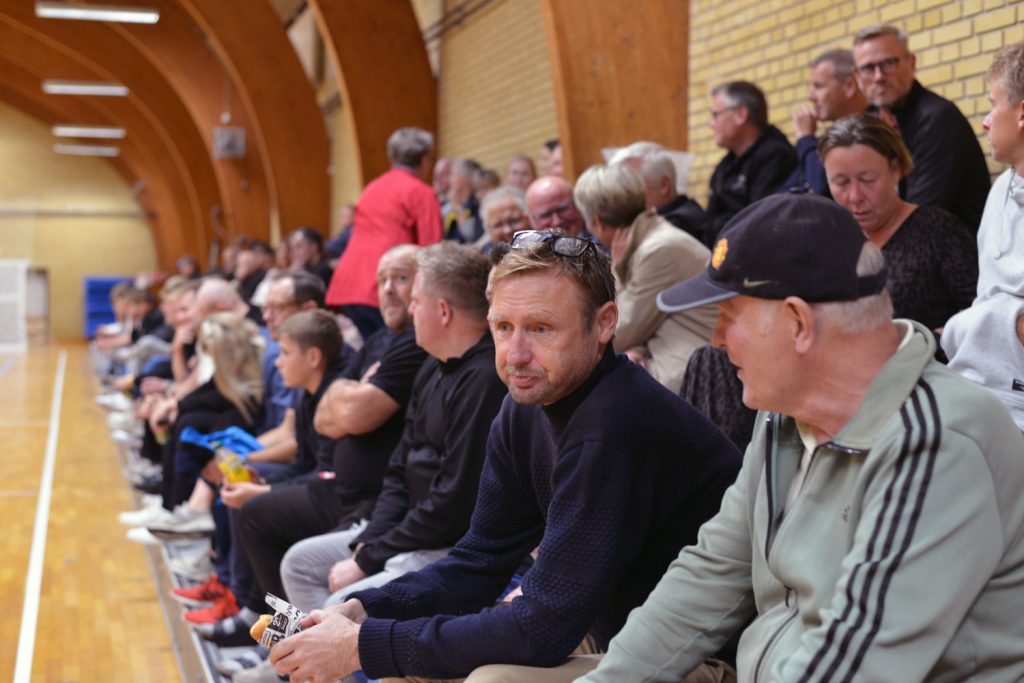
(657, 256)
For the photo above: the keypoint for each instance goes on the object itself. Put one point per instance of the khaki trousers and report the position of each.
(712, 671)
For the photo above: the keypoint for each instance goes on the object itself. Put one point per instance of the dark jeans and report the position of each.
(269, 524)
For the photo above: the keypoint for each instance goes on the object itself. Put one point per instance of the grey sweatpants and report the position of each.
(306, 565)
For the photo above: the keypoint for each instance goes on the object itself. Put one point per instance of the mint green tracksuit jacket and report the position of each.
(901, 559)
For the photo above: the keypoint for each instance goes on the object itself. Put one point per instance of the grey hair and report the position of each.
(841, 61)
(502, 194)
(615, 194)
(408, 146)
(879, 31)
(655, 161)
(747, 95)
(467, 168)
(866, 313)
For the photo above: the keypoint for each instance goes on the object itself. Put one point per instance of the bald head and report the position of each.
(549, 202)
(218, 295)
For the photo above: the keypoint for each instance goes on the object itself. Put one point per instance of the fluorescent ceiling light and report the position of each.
(55, 87)
(67, 130)
(77, 10)
(87, 150)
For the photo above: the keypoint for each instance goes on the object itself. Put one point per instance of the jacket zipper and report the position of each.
(771, 643)
(772, 451)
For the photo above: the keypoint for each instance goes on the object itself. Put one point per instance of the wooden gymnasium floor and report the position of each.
(99, 619)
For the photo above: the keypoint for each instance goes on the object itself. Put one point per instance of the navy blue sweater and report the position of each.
(611, 482)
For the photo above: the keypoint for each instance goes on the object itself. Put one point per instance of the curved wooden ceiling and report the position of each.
(204, 57)
(207, 57)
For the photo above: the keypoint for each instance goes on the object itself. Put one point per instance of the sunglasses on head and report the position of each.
(563, 245)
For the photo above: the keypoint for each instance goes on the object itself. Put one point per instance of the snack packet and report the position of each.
(285, 622)
(232, 466)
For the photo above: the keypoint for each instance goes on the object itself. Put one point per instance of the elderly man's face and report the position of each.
(543, 352)
(551, 207)
(885, 70)
(725, 121)
(280, 305)
(827, 93)
(503, 219)
(394, 290)
(753, 333)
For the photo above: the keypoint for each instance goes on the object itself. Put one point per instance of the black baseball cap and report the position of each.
(791, 244)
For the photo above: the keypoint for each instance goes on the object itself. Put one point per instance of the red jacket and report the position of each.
(395, 208)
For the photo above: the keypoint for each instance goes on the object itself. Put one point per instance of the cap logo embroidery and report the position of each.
(721, 249)
(748, 283)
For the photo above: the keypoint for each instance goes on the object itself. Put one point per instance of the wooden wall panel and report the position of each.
(384, 73)
(178, 48)
(288, 126)
(620, 74)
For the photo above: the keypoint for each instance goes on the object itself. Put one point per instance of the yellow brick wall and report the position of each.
(346, 183)
(496, 97)
(770, 42)
(495, 93)
(100, 233)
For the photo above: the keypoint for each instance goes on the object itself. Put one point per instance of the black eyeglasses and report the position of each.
(885, 66)
(563, 245)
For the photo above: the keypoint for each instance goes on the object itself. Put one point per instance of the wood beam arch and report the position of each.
(383, 71)
(620, 74)
(28, 61)
(287, 123)
(93, 51)
(178, 48)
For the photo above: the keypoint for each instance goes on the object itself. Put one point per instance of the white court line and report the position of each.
(34, 577)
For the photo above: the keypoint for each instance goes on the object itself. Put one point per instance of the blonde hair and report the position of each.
(236, 348)
(615, 194)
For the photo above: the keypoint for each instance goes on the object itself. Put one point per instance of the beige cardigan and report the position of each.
(657, 256)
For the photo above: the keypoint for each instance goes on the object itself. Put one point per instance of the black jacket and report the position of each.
(739, 181)
(949, 167)
(431, 483)
(686, 214)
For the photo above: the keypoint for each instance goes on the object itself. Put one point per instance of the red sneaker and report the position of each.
(211, 591)
(221, 609)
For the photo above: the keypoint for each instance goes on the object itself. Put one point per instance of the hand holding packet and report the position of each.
(282, 624)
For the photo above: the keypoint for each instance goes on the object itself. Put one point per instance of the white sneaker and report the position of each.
(125, 437)
(142, 468)
(149, 499)
(115, 401)
(121, 420)
(196, 568)
(153, 514)
(184, 520)
(141, 535)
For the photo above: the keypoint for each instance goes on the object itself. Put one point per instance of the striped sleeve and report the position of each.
(927, 541)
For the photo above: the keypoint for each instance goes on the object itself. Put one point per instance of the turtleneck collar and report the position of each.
(562, 410)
